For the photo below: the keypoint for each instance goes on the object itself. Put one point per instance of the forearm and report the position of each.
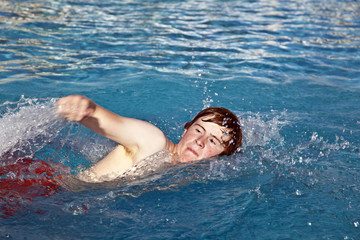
(103, 122)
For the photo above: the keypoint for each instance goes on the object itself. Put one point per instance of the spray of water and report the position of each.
(27, 125)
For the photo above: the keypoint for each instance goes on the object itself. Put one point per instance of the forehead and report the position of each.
(213, 128)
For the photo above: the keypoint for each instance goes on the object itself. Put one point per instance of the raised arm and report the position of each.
(139, 137)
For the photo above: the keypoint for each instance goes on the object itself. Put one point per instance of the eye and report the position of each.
(197, 130)
(213, 141)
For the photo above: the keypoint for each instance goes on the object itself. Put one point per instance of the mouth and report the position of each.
(193, 151)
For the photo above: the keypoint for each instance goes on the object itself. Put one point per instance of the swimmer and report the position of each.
(213, 132)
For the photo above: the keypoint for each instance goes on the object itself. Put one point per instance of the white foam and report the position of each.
(24, 121)
(257, 131)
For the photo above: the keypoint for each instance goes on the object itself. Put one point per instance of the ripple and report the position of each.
(175, 36)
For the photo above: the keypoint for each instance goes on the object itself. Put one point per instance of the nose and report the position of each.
(200, 141)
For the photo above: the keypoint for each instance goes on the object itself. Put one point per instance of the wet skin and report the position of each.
(202, 140)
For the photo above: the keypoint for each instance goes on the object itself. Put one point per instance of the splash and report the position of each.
(31, 125)
(261, 130)
(28, 125)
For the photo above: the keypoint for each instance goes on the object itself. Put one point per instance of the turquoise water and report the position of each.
(288, 69)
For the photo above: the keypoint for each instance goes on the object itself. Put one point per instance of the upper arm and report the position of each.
(136, 135)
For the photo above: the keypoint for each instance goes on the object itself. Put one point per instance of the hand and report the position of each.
(75, 107)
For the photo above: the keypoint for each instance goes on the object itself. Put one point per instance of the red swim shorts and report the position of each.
(24, 180)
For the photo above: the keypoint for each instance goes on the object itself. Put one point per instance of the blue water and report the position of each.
(289, 69)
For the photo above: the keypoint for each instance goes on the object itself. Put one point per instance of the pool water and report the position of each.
(288, 69)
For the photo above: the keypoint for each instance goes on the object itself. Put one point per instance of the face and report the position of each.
(201, 140)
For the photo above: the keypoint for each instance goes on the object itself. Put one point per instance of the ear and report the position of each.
(183, 134)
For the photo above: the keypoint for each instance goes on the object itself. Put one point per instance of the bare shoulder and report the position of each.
(150, 139)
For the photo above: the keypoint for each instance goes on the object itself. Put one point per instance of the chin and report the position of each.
(185, 159)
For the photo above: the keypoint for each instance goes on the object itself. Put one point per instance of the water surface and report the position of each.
(288, 69)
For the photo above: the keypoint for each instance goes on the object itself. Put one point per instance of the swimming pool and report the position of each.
(288, 69)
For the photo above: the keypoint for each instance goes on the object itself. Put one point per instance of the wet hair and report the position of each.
(224, 118)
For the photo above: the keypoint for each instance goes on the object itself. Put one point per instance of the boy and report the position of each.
(213, 132)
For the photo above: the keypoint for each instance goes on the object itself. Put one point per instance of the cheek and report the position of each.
(188, 137)
(211, 152)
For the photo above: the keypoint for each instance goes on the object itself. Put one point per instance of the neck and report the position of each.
(171, 146)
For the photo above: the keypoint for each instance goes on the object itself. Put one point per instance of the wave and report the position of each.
(30, 128)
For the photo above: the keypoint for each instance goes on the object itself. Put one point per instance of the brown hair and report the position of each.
(224, 118)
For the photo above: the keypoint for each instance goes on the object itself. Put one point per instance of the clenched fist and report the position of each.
(75, 107)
